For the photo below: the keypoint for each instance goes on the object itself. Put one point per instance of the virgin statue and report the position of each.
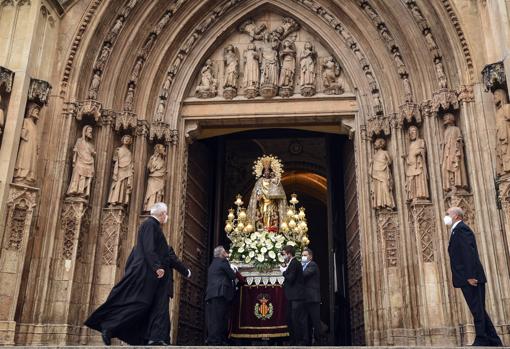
(268, 202)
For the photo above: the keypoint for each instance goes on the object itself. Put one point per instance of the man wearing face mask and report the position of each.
(468, 275)
(312, 295)
(294, 288)
(136, 311)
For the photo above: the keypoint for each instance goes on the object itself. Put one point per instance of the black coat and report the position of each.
(133, 296)
(312, 278)
(464, 260)
(294, 283)
(220, 280)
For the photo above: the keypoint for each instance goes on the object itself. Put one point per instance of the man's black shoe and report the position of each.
(107, 338)
(157, 343)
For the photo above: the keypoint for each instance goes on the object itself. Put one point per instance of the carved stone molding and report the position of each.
(125, 121)
(444, 100)
(421, 219)
(38, 91)
(410, 113)
(162, 131)
(113, 229)
(494, 77)
(378, 125)
(21, 203)
(6, 79)
(72, 225)
(466, 94)
(90, 108)
(388, 232)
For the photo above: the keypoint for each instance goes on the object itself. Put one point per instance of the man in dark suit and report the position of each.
(136, 311)
(294, 288)
(468, 275)
(219, 293)
(311, 275)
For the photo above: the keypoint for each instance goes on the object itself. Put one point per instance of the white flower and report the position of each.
(281, 259)
(251, 254)
(241, 249)
(291, 243)
(260, 258)
(263, 250)
(247, 259)
(272, 255)
(253, 245)
(278, 245)
(247, 241)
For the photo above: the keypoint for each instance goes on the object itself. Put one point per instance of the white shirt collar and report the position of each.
(454, 225)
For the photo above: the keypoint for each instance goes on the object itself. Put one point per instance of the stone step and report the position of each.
(237, 347)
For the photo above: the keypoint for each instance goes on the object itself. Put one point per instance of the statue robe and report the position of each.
(453, 168)
(83, 170)
(122, 177)
(382, 193)
(137, 308)
(264, 191)
(25, 169)
(503, 139)
(416, 171)
(251, 69)
(156, 181)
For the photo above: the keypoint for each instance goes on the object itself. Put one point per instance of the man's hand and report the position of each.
(160, 273)
(234, 267)
(282, 269)
(473, 282)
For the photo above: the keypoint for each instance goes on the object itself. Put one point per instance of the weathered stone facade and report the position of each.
(77, 76)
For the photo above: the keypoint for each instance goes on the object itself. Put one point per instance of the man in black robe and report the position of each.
(137, 309)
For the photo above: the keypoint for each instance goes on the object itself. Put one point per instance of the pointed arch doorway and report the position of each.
(319, 167)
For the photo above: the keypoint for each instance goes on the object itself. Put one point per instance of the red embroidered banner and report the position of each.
(259, 312)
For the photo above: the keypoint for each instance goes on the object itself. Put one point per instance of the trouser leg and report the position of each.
(314, 311)
(475, 302)
(159, 317)
(217, 321)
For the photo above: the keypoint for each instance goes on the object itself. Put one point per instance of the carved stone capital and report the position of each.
(378, 125)
(15, 3)
(6, 79)
(444, 100)
(466, 94)
(494, 77)
(409, 112)
(160, 131)
(38, 91)
(125, 120)
(90, 108)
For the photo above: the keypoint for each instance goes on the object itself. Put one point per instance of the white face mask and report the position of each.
(448, 220)
(304, 259)
(166, 219)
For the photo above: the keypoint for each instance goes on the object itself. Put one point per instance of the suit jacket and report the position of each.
(220, 280)
(294, 282)
(464, 260)
(312, 278)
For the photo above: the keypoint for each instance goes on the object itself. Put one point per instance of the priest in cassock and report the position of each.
(137, 309)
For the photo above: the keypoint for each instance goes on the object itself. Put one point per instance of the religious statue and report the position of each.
(332, 77)
(441, 76)
(135, 73)
(130, 96)
(288, 71)
(103, 57)
(94, 85)
(251, 71)
(160, 111)
(268, 202)
(231, 72)
(25, 170)
(112, 34)
(255, 32)
(453, 167)
(382, 179)
(307, 77)
(208, 84)
(269, 69)
(502, 132)
(2, 116)
(156, 182)
(416, 167)
(123, 170)
(83, 165)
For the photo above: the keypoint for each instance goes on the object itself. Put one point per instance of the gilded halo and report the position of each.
(276, 165)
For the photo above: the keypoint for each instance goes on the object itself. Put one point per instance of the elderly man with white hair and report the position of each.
(468, 275)
(137, 309)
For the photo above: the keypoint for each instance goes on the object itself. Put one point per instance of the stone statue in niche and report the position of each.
(112, 34)
(130, 96)
(441, 76)
(382, 179)
(103, 57)
(135, 73)
(207, 87)
(25, 170)
(83, 165)
(123, 171)
(502, 132)
(416, 168)
(162, 23)
(332, 79)
(2, 116)
(269, 68)
(429, 39)
(251, 71)
(288, 71)
(94, 85)
(156, 182)
(160, 111)
(453, 167)
(307, 61)
(231, 62)
(255, 32)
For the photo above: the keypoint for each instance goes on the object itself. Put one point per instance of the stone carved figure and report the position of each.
(416, 167)
(123, 171)
(251, 71)
(382, 179)
(332, 79)
(135, 73)
(269, 66)
(453, 167)
(441, 76)
(208, 84)
(156, 182)
(94, 85)
(502, 132)
(112, 34)
(160, 111)
(83, 165)
(231, 72)
(130, 96)
(288, 71)
(307, 77)
(25, 170)
(103, 57)
(255, 32)
(162, 22)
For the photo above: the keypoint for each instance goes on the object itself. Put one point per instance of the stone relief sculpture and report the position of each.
(332, 79)
(453, 167)
(251, 71)
(441, 76)
(130, 96)
(103, 57)
(255, 32)
(94, 85)
(207, 87)
(288, 71)
(231, 62)
(269, 68)
(135, 73)
(502, 132)
(112, 34)
(83, 165)
(160, 111)
(156, 182)
(307, 78)
(25, 170)
(416, 168)
(382, 179)
(123, 171)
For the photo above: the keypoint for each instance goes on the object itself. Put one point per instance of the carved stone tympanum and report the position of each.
(83, 165)
(156, 182)
(123, 170)
(416, 167)
(453, 167)
(382, 179)
(25, 170)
